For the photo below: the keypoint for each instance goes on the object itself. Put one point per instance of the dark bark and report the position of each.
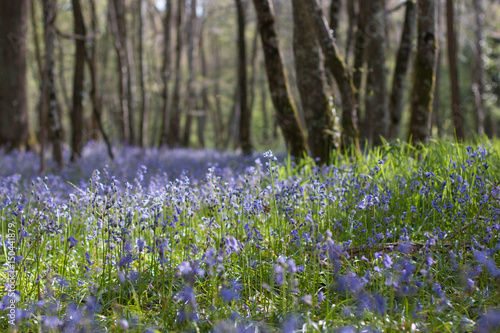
(458, 119)
(166, 72)
(478, 73)
(340, 72)
(286, 112)
(311, 81)
(49, 114)
(401, 68)
(190, 91)
(174, 133)
(352, 21)
(424, 73)
(376, 98)
(245, 115)
(14, 18)
(143, 75)
(78, 77)
(361, 42)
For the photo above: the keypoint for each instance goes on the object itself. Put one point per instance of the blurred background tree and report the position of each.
(146, 72)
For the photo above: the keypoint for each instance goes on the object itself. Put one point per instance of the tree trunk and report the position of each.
(340, 72)
(424, 75)
(253, 64)
(174, 135)
(77, 111)
(14, 129)
(280, 92)
(311, 81)
(166, 72)
(245, 115)
(143, 75)
(49, 114)
(335, 11)
(401, 68)
(190, 92)
(352, 21)
(458, 119)
(361, 41)
(121, 56)
(376, 100)
(478, 74)
(217, 119)
(91, 57)
(204, 90)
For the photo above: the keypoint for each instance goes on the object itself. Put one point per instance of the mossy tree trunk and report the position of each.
(13, 94)
(340, 72)
(424, 73)
(286, 112)
(309, 66)
(402, 59)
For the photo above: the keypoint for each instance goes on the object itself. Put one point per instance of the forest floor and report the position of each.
(397, 239)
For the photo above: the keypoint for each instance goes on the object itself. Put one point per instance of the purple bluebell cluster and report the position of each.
(182, 240)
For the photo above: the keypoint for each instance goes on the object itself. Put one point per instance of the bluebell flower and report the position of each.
(489, 321)
(72, 241)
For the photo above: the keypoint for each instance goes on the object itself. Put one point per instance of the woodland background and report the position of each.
(205, 73)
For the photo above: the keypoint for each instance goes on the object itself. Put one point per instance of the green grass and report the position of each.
(431, 195)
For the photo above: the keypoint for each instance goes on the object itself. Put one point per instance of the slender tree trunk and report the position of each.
(253, 74)
(340, 72)
(204, 90)
(335, 14)
(122, 73)
(311, 81)
(478, 74)
(266, 131)
(376, 100)
(174, 135)
(143, 75)
(280, 92)
(401, 68)
(217, 119)
(14, 126)
(458, 120)
(166, 72)
(361, 41)
(91, 58)
(190, 92)
(352, 21)
(77, 110)
(49, 114)
(36, 40)
(424, 75)
(437, 114)
(245, 115)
